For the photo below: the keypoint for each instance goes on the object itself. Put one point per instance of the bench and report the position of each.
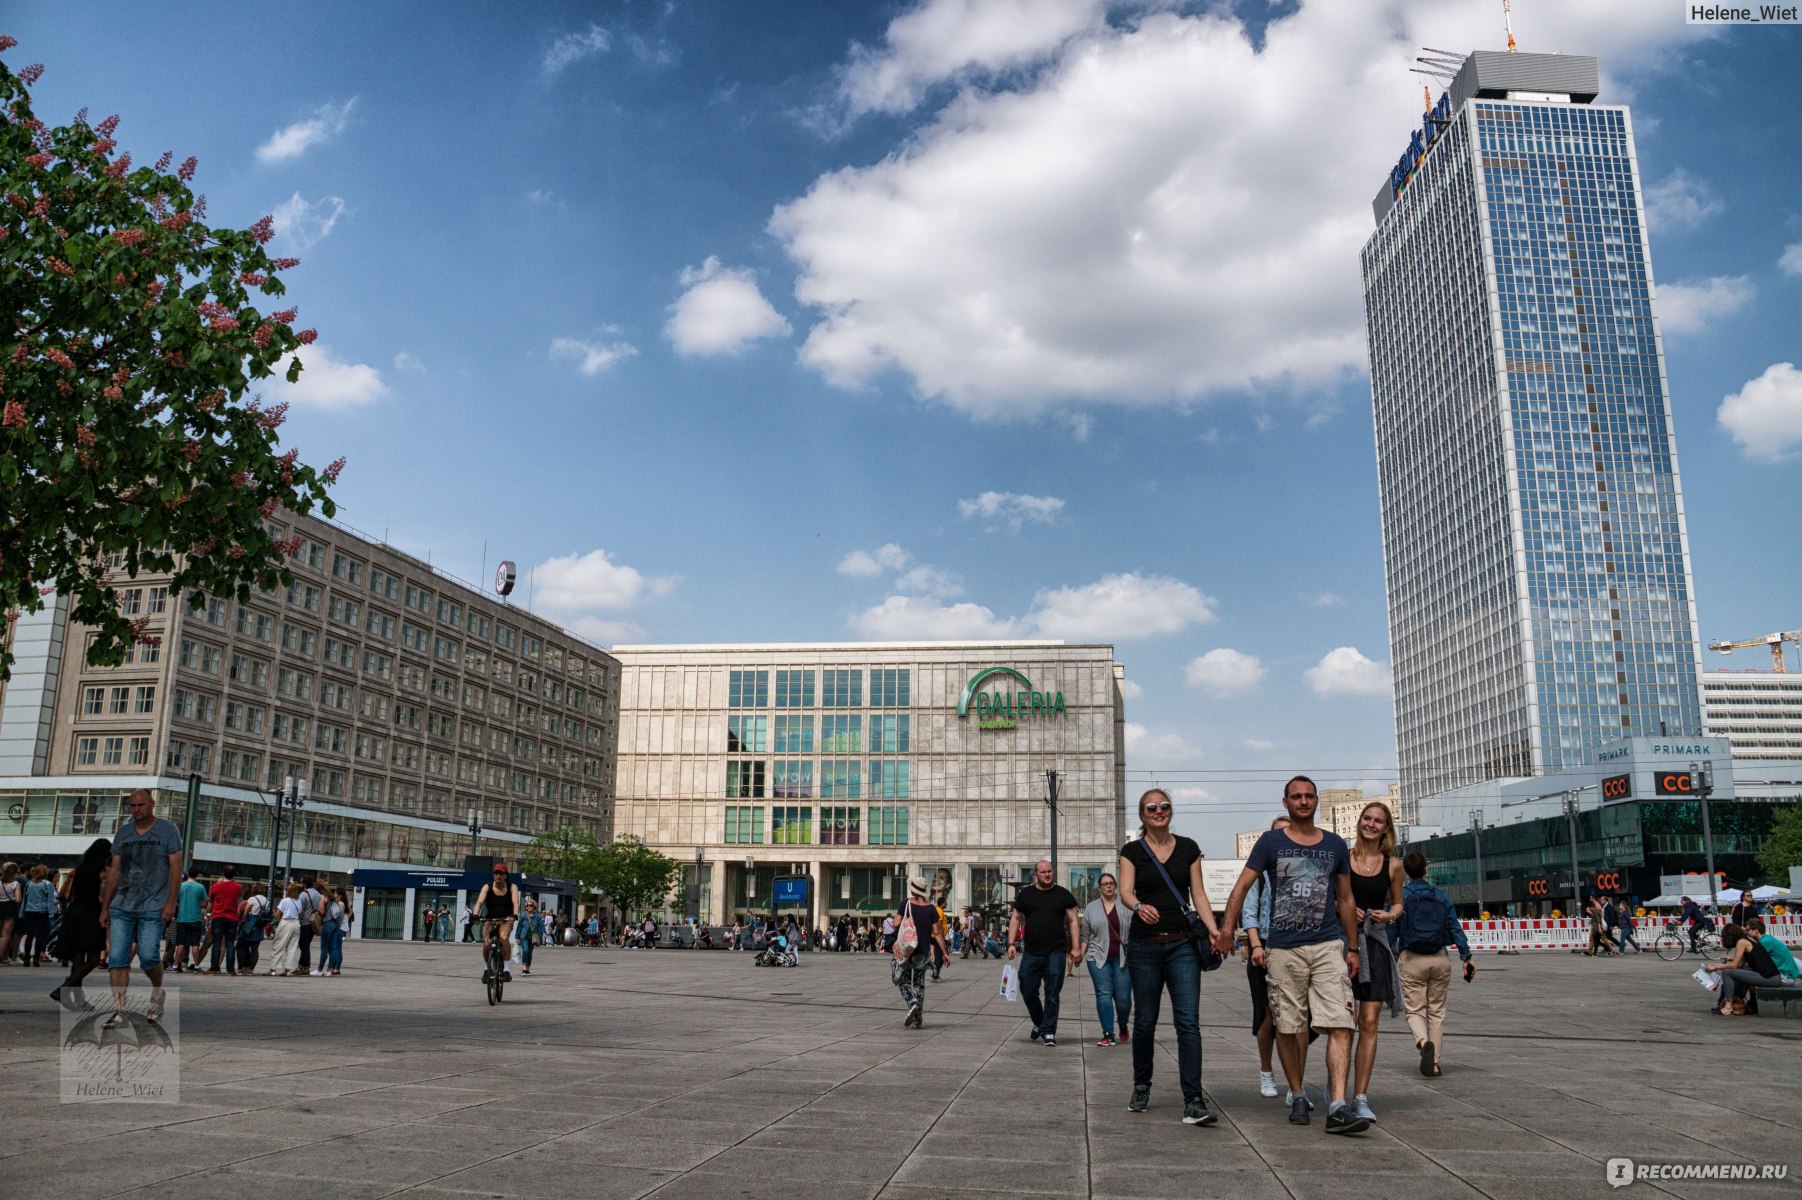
(1783, 1001)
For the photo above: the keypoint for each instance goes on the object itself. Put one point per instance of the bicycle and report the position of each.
(1675, 939)
(495, 973)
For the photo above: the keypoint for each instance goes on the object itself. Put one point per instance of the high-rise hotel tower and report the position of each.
(1537, 563)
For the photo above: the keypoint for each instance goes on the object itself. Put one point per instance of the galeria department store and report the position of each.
(858, 764)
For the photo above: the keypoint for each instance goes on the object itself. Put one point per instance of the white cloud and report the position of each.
(583, 590)
(1225, 672)
(1120, 212)
(406, 362)
(1120, 608)
(294, 140)
(306, 223)
(1323, 599)
(1791, 262)
(1765, 416)
(942, 39)
(1346, 672)
(929, 580)
(1259, 745)
(1148, 750)
(865, 563)
(592, 358)
(1689, 307)
(1012, 509)
(1131, 689)
(920, 618)
(330, 383)
(1679, 202)
(574, 47)
(722, 312)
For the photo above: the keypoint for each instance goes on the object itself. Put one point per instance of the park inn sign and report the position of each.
(1003, 709)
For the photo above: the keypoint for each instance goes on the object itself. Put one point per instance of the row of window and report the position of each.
(890, 687)
(794, 826)
(795, 778)
(838, 734)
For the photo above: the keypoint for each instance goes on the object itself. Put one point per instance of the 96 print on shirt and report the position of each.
(1622, 1171)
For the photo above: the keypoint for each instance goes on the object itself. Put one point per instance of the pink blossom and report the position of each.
(85, 436)
(107, 126)
(260, 338)
(223, 324)
(271, 419)
(263, 230)
(241, 479)
(32, 73)
(128, 237)
(235, 553)
(113, 391)
(188, 167)
(7, 42)
(332, 472)
(284, 264)
(117, 168)
(154, 287)
(59, 358)
(162, 164)
(285, 316)
(205, 546)
(307, 337)
(252, 279)
(14, 416)
(269, 506)
(103, 145)
(42, 158)
(61, 268)
(289, 459)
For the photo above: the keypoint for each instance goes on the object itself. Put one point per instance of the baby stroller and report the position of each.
(776, 953)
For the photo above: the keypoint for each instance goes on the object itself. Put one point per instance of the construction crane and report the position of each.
(1773, 640)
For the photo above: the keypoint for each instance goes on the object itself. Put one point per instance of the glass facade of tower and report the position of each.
(1537, 564)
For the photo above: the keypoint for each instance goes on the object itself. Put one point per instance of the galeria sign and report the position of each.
(1002, 709)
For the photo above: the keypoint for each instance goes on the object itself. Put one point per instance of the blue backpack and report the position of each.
(1423, 922)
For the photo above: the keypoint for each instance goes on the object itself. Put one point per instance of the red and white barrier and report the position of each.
(1568, 933)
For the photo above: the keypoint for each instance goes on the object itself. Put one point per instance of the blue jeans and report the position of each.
(1156, 966)
(225, 942)
(126, 926)
(525, 953)
(1046, 969)
(331, 948)
(1113, 990)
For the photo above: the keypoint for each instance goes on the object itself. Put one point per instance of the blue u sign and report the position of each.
(791, 891)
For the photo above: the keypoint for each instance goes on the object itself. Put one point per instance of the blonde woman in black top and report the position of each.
(1376, 884)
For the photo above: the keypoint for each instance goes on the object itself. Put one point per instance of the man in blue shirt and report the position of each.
(1313, 946)
(190, 922)
(138, 899)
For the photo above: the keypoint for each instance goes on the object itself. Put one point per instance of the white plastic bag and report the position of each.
(1707, 978)
(1010, 982)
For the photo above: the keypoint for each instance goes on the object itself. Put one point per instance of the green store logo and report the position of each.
(1003, 709)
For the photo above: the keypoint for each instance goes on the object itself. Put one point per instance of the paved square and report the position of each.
(615, 1074)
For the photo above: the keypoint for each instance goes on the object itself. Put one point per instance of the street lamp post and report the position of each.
(1051, 800)
(475, 829)
(1576, 879)
(297, 796)
(1702, 775)
(1476, 833)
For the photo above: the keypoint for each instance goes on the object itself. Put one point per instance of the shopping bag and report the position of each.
(1707, 978)
(1010, 982)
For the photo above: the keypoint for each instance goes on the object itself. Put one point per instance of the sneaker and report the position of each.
(1036, 1035)
(1360, 1107)
(1107, 1039)
(506, 976)
(315, 972)
(1290, 1097)
(913, 1017)
(1343, 1120)
(1267, 1084)
(1141, 1099)
(1426, 1059)
(525, 970)
(1050, 1039)
(1298, 1109)
(1195, 1112)
(487, 975)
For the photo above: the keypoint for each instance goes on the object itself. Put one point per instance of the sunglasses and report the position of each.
(1157, 808)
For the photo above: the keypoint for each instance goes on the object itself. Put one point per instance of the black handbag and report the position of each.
(1209, 957)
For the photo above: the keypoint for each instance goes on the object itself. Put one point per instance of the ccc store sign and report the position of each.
(1608, 881)
(1617, 787)
(1677, 783)
(1539, 887)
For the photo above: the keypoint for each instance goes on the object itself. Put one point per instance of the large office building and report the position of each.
(852, 766)
(1759, 712)
(401, 699)
(1539, 593)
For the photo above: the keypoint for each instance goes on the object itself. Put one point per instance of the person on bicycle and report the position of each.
(496, 906)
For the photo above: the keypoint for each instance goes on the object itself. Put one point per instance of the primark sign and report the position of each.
(1660, 766)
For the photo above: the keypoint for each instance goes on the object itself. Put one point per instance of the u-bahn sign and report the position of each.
(1003, 706)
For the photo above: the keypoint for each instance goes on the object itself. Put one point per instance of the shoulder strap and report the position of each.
(1165, 875)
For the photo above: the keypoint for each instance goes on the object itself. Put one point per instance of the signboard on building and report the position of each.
(1617, 787)
(790, 890)
(1003, 706)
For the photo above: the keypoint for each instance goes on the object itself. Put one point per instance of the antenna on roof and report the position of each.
(1508, 23)
(1438, 65)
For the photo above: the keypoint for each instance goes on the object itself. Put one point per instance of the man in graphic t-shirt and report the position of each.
(1050, 915)
(1312, 945)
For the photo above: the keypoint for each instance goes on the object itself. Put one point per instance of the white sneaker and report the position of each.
(315, 972)
(1267, 1084)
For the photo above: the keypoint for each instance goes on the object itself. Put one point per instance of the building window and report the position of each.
(477, 626)
(112, 751)
(138, 752)
(529, 645)
(298, 640)
(888, 735)
(383, 584)
(346, 568)
(93, 702)
(744, 826)
(157, 601)
(841, 778)
(343, 611)
(412, 676)
(176, 759)
(793, 779)
(794, 689)
(297, 684)
(87, 751)
(340, 653)
(748, 689)
(414, 637)
(888, 827)
(841, 735)
(841, 826)
(505, 637)
(749, 735)
(744, 779)
(379, 624)
(794, 735)
(889, 687)
(378, 666)
(445, 650)
(841, 689)
(888, 779)
(418, 599)
(408, 716)
(791, 826)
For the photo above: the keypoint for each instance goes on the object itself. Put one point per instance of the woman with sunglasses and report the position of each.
(1161, 953)
(496, 905)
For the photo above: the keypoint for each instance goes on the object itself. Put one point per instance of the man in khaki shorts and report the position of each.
(1312, 945)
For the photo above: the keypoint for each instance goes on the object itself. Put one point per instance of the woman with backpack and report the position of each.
(1428, 927)
(916, 931)
(253, 923)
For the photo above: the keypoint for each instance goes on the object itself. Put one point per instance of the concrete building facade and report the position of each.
(855, 765)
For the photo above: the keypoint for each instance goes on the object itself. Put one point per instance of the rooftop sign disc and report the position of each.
(1003, 709)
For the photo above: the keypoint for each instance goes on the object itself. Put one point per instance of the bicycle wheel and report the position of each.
(1669, 947)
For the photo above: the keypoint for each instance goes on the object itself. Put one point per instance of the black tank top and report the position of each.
(1371, 891)
(500, 904)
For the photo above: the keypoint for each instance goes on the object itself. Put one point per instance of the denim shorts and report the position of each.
(126, 926)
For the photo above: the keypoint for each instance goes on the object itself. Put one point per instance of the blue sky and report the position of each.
(811, 321)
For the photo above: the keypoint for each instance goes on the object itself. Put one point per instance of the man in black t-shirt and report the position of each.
(1052, 936)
